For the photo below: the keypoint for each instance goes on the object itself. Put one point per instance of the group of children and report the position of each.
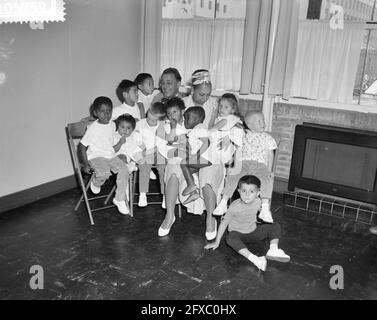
(141, 134)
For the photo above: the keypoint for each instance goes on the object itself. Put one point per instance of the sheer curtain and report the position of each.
(257, 28)
(326, 61)
(213, 44)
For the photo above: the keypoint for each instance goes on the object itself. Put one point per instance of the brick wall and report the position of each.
(287, 116)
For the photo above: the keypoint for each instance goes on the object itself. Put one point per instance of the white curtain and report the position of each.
(326, 61)
(256, 37)
(216, 45)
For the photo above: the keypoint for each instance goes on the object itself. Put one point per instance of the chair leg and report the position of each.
(86, 190)
(110, 194)
(131, 194)
(179, 210)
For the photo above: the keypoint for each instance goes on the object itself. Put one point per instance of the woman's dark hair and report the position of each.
(174, 72)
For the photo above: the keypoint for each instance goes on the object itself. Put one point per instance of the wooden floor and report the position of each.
(123, 258)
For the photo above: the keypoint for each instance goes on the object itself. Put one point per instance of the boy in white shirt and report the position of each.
(98, 154)
(146, 129)
(127, 93)
(145, 83)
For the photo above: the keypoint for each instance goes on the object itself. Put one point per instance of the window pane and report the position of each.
(354, 10)
(369, 89)
(359, 75)
(188, 9)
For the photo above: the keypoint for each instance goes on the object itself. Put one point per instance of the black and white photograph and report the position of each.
(186, 156)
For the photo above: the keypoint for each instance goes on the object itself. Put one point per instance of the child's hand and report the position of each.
(87, 168)
(173, 123)
(212, 246)
(122, 140)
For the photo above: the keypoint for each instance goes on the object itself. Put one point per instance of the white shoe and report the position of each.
(152, 176)
(221, 208)
(122, 207)
(212, 235)
(164, 232)
(163, 204)
(261, 263)
(277, 255)
(265, 213)
(95, 190)
(142, 200)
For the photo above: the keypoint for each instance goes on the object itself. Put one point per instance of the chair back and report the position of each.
(75, 131)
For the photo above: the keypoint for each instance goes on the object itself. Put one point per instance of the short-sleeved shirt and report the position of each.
(256, 146)
(99, 138)
(130, 148)
(147, 133)
(210, 106)
(147, 100)
(125, 108)
(199, 131)
(241, 216)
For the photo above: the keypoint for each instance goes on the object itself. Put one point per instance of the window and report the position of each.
(198, 35)
(365, 85)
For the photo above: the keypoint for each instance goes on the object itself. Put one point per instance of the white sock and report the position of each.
(266, 204)
(273, 246)
(144, 194)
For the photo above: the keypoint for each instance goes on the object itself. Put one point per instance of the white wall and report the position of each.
(52, 76)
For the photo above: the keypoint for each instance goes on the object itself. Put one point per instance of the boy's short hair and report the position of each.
(124, 86)
(141, 77)
(249, 179)
(127, 118)
(100, 101)
(158, 108)
(175, 102)
(199, 111)
(174, 72)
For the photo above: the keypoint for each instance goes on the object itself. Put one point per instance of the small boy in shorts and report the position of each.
(98, 154)
(146, 130)
(240, 220)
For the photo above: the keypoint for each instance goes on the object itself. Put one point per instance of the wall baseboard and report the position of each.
(45, 190)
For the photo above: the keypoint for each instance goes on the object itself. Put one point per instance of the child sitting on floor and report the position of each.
(241, 220)
(145, 83)
(127, 93)
(256, 158)
(146, 129)
(98, 154)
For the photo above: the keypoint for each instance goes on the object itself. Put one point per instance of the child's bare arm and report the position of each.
(119, 144)
(219, 125)
(81, 150)
(270, 157)
(220, 233)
